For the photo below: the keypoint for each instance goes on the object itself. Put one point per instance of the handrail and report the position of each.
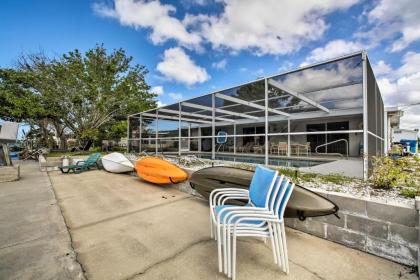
(332, 142)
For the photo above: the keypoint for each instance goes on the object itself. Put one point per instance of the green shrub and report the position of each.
(410, 192)
(386, 173)
(95, 150)
(396, 150)
(336, 178)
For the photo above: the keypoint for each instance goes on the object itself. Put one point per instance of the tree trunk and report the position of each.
(59, 129)
(44, 133)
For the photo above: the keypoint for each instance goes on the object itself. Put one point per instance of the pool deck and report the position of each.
(351, 167)
(124, 228)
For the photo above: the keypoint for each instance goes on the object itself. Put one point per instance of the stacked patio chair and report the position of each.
(267, 197)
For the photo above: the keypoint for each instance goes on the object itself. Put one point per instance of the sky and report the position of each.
(192, 47)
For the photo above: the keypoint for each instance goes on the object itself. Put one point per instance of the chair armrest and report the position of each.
(239, 209)
(217, 192)
(263, 215)
(230, 197)
(219, 196)
(251, 217)
(233, 195)
(80, 161)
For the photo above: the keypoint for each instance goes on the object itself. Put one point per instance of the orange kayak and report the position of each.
(159, 171)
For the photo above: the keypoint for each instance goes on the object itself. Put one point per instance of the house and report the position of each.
(395, 134)
(322, 112)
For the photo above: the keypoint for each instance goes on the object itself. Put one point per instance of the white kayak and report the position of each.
(117, 163)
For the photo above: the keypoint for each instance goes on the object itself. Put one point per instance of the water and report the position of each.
(273, 161)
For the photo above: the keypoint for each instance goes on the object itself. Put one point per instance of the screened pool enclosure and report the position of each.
(332, 110)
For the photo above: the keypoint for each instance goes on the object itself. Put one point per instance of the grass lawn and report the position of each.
(72, 154)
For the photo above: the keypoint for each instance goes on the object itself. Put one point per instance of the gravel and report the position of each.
(359, 189)
(356, 187)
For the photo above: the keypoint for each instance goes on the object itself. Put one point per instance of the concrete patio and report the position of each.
(34, 240)
(124, 228)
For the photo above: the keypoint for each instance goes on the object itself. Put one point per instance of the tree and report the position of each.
(20, 102)
(97, 87)
(76, 93)
(39, 67)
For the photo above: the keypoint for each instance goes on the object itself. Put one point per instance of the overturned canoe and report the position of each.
(303, 202)
(117, 163)
(159, 171)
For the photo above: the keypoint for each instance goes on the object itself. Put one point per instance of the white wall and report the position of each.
(399, 134)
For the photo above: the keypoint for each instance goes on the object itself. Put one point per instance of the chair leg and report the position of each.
(277, 244)
(281, 248)
(273, 245)
(228, 249)
(229, 255)
(215, 232)
(211, 224)
(286, 258)
(224, 242)
(219, 248)
(234, 257)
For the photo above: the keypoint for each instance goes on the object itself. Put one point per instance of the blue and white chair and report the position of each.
(258, 196)
(242, 224)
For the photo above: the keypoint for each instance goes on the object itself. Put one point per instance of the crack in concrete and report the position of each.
(76, 255)
(267, 246)
(128, 213)
(174, 256)
(308, 270)
(182, 251)
(32, 239)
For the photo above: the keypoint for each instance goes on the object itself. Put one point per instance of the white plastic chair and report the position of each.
(258, 197)
(256, 225)
(242, 224)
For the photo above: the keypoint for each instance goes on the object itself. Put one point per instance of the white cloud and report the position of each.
(150, 14)
(387, 88)
(404, 90)
(332, 49)
(178, 66)
(103, 10)
(403, 85)
(158, 90)
(160, 103)
(175, 96)
(262, 27)
(270, 26)
(411, 62)
(394, 19)
(411, 118)
(381, 68)
(219, 64)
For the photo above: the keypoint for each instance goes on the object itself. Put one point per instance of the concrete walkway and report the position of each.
(123, 228)
(348, 167)
(34, 240)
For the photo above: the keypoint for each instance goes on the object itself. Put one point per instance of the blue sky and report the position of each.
(196, 46)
